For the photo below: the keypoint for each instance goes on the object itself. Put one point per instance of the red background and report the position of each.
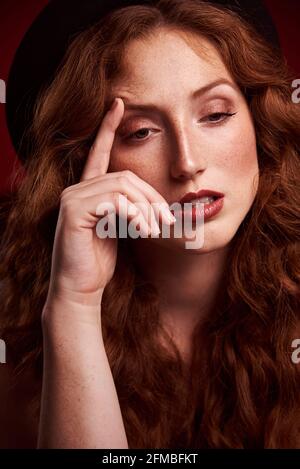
(17, 15)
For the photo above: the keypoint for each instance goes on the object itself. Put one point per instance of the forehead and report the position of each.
(168, 60)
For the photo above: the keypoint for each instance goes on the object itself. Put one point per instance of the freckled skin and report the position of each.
(181, 155)
(183, 151)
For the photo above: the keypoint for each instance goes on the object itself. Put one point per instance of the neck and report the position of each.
(188, 284)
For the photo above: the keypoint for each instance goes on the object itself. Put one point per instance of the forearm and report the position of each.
(80, 407)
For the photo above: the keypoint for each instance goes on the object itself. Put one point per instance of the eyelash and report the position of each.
(226, 114)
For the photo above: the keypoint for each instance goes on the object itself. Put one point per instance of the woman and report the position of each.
(147, 344)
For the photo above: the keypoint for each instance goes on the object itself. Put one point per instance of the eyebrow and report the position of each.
(195, 94)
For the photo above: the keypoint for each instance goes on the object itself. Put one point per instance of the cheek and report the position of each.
(239, 153)
(148, 165)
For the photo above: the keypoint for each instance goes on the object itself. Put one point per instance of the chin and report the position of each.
(214, 239)
(218, 233)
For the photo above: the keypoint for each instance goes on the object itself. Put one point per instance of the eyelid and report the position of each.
(224, 117)
(128, 133)
(132, 126)
(216, 107)
(218, 99)
(207, 107)
(131, 137)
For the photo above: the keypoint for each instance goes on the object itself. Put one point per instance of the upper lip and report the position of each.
(202, 193)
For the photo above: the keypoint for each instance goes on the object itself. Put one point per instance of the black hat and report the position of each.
(45, 43)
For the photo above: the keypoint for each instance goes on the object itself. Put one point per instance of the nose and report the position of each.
(187, 157)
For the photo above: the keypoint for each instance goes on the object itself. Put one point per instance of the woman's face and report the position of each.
(171, 85)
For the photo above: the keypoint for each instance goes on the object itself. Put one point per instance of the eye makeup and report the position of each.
(214, 111)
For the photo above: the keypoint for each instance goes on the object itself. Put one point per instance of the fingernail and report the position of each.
(170, 217)
(155, 229)
(114, 104)
(144, 225)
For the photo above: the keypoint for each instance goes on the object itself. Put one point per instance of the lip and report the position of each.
(202, 193)
(208, 211)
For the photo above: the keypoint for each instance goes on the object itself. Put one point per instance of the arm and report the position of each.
(80, 407)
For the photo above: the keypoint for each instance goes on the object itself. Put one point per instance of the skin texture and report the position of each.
(183, 151)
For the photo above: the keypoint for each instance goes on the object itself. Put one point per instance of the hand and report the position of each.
(82, 263)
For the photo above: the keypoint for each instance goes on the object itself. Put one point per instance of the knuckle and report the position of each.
(123, 181)
(68, 203)
(64, 198)
(114, 196)
(127, 173)
(65, 192)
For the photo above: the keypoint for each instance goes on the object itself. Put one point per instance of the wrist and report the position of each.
(64, 293)
(69, 308)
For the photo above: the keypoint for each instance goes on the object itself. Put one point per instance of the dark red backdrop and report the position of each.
(17, 15)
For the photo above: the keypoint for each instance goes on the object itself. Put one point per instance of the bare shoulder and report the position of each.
(19, 421)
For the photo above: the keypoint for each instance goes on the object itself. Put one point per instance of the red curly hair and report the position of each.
(243, 390)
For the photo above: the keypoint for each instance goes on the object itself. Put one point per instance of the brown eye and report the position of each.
(140, 134)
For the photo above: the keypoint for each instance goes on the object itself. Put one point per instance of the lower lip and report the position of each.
(210, 210)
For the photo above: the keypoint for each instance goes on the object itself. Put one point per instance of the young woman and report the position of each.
(143, 343)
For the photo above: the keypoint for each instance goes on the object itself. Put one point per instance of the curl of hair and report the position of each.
(243, 390)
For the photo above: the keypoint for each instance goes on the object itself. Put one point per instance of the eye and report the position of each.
(215, 117)
(140, 134)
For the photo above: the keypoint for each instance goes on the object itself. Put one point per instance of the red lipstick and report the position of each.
(202, 193)
(210, 209)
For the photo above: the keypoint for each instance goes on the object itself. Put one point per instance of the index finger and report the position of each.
(99, 155)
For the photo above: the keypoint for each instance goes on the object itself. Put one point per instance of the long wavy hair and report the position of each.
(243, 389)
